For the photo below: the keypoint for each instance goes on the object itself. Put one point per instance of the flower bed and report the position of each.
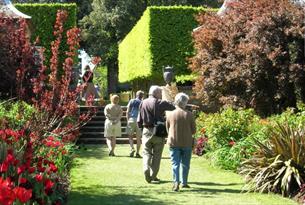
(32, 170)
(269, 152)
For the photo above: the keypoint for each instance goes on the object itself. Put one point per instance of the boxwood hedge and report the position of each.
(161, 37)
(43, 19)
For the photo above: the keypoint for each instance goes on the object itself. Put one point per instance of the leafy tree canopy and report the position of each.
(110, 21)
(252, 56)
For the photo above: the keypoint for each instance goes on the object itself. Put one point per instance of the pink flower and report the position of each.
(231, 143)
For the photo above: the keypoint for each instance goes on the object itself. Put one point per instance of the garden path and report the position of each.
(101, 180)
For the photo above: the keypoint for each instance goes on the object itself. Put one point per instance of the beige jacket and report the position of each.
(113, 112)
(180, 125)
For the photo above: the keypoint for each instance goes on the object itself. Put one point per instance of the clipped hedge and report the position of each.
(161, 37)
(135, 57)
(43, 20)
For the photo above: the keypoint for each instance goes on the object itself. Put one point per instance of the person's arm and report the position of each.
(84, 77)
(106, 113)
(120, 114)
(140, 117)
(193, 124)
(167, 123)
(167, 106)
(128, 109)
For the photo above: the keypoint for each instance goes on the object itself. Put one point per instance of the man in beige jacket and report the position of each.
(180, 125)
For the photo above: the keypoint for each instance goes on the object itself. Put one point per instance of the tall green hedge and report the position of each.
(43, 20)
(161, 37)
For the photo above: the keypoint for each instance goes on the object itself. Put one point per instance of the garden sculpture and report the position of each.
(170, 90)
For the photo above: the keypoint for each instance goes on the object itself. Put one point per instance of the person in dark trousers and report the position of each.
(132, 126)
(152, 110)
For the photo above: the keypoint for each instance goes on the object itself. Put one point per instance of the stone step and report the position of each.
(96, 134)
(99, 129)
(93, 131)
(103, 141)
(101, 124)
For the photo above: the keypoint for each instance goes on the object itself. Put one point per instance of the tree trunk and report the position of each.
(112, 76)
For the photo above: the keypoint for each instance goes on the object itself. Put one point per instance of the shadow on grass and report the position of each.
(214, 184)
(212, 191)
(91, 152)
(118, 196)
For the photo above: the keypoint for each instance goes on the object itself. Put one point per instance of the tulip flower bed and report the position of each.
(31, 170)
(37, 138)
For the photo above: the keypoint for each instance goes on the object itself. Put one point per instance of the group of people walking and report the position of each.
(142, 117)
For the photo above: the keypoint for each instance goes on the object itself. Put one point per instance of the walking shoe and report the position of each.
(138, 155)
(111, 154)
(147, 176)
(155, 181)
(132, 153)
(185, 186)
(175, 187)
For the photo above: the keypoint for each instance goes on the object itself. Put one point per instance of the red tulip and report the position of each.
(20, 169)
(23, 194)
(38, 177)
(22, 180)
(48, 184)
(3, 167)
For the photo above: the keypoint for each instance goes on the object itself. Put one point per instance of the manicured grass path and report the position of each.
(100, 180)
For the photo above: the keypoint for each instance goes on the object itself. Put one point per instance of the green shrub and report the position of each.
(100, 78)
(289, 117)
(227, 127)
(43, 20)
(231, 136)
(161, 37)
(15, 114)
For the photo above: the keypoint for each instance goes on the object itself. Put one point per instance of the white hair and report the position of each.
(154, 90)
(181, 100)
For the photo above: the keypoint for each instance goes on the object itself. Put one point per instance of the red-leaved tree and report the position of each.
(252, 56)
(16, 53)
(54, 97)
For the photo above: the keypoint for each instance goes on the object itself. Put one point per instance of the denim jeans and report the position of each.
(180, 156)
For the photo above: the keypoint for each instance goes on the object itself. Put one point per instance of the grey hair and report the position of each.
(154, 90)
(181, 100)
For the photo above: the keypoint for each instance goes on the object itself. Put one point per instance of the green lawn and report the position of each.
(100, 180)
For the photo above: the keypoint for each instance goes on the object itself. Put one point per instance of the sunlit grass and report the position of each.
(100, 180)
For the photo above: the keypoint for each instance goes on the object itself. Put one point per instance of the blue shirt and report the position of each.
(133, 106)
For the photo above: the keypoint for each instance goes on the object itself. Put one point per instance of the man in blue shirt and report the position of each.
(132, 127)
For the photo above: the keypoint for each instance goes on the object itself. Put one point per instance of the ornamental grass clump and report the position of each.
(278, 164)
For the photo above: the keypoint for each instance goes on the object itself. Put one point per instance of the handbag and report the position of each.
(160, 129)
(159, 126)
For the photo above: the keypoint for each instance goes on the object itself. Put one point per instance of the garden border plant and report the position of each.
(36, 157)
